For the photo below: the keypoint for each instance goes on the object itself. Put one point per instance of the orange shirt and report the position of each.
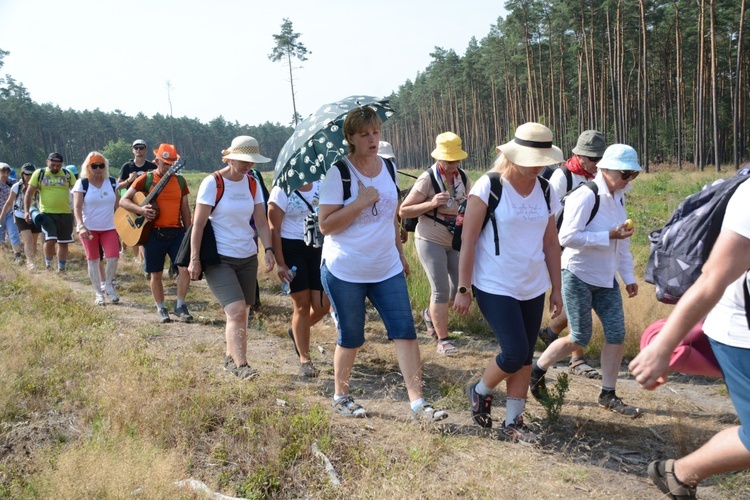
(169, 199)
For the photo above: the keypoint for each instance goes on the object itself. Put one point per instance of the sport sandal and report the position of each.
(614, 404)
(428, 322)
(347, 407)
(578, 366)
(661, 473)
(445, 346)
(426, 413)
(547, 336)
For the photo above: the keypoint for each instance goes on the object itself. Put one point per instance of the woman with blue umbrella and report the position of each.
(363, 258)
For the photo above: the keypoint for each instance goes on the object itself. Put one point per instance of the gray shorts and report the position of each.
(233, 280)
(580, 297)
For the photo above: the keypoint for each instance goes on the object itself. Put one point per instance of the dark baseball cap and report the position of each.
(28, 168)
(55, 157)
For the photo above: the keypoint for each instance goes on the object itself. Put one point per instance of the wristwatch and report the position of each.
(462, 290)
(270, 249)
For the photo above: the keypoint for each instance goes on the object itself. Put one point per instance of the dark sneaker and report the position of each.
(347, 407)
(661, 473)
(547, 336)
(183, 314)
(308, 369)
(519, 432)
(244, 372)
(428, 414)
(428, 322)
(229, 364)
(614, 404)
(163, 315)
(294, 342)
(538, 385)
(481, 407)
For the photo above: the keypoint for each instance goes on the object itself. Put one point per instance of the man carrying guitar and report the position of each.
(170, 214)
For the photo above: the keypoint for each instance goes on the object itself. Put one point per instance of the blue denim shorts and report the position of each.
(735, 365)
(580, 297)
(390, 297)
(157, 248)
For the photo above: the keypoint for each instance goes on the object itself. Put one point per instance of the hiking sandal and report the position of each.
(428, 323)
(661, 473)
(578, 366)
(445, 346)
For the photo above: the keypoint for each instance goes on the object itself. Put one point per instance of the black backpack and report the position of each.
(496, 192)
(679, 249)
(593, 187)
(410, 224)
(549, 170)
(85, 185)
(346, 176)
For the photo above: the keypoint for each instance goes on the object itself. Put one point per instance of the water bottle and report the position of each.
(285, 289)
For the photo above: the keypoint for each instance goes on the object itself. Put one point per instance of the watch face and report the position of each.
(462, 289)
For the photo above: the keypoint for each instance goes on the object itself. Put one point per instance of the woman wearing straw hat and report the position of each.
(94, 202)
(510, 287)
(595, 252)
(435, 198)
(233, 279)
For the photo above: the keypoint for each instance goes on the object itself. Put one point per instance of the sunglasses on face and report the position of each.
(139, 148)
(594, 159)
(629, 174)
(96, 165)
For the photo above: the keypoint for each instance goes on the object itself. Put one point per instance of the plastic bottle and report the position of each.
(285, 288)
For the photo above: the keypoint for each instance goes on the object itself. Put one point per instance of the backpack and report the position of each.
(548, 171)
(41, 176)
(346, 176)
(410, 224)
(593, 187)
(496, 192)
(679, 249)
(85, 185)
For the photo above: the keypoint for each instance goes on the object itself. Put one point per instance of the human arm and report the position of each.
(729, 259)
(27, 199)
(476, 208)
(551, 249)
(275, 219)
(8, 204)
(81, 230)
(264, 234)
(418, 201)
(185, 211)
(127, 201)
(400, 246)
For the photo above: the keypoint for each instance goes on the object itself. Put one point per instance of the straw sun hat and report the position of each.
(244, 148)
(532, 147)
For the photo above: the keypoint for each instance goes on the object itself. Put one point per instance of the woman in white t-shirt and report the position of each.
(509, 281)
(95, 200)
(232, 280)
(721, 291)
(286, 216)
(28, 230)
(363, 258)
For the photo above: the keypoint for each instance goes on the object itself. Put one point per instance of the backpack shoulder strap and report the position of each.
(252, 183)
(85, 186)
(496, 192)
(463, 175)
(392, 170)
(346, 178)
(181, 181)
(304, 200)
(434, 181)
(568, 177)
(595, 189)
(113, 183)
(149, 181)
(545, 189)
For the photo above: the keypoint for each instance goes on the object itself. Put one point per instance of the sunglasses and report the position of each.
(139, 148)
(96, 165)
(594, 159)
(629, 174)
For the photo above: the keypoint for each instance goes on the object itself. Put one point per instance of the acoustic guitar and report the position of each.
(134, 229)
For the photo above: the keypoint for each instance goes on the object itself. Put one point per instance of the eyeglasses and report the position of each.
(139, 148)
(96, 165)
(629, 174)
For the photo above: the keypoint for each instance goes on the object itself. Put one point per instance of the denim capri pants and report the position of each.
(580, 297)
(515, 324)
(735, 365)
(390, 297)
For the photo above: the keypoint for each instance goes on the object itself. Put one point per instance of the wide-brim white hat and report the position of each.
(620, 157)
(532, 147)
(244, 148)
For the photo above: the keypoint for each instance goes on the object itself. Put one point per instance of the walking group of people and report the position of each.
(522, 236)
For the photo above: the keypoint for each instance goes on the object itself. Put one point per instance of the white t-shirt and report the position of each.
(98, 205)
(559, 182)
(520, 270)
(589, 253)
(295, 210)
(364, 252)
(17, 188)
(727, 323)
(231, 217)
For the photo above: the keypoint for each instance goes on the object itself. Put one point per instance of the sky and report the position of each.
(210, 57)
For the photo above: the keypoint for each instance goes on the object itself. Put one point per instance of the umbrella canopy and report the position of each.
(318, 142)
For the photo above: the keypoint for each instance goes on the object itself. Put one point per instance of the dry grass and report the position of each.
(104, 403)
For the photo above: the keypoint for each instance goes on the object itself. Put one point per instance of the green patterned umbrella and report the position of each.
(318, 142)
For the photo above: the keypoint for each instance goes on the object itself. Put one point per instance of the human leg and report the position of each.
(301, 323)
(435, 261)
(410, 363)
